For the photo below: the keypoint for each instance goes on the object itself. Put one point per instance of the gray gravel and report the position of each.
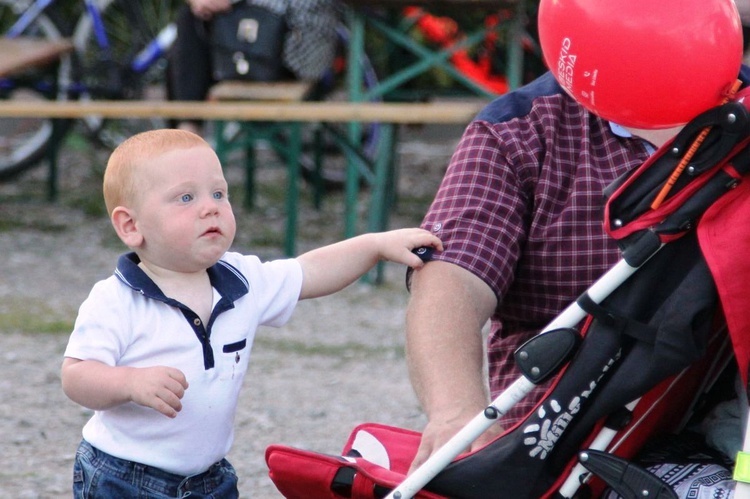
(338, 363)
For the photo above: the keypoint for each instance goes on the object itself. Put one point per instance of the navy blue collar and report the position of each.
(225, 278)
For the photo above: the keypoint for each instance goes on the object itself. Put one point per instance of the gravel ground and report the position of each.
(338, 363)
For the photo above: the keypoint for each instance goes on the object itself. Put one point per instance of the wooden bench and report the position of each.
(20, 54)
(398, 113)
(283, 91)
(389, 115)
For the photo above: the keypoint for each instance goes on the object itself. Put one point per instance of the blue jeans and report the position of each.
(99, 475)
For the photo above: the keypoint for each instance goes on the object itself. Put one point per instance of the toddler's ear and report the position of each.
(126, 228)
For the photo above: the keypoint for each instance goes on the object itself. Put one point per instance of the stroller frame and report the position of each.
(569, 318)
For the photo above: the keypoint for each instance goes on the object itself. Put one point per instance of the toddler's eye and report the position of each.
(186, 198)
(219, 195)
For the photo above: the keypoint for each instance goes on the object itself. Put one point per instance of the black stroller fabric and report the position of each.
(654, 326)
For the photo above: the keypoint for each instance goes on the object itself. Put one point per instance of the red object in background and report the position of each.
(445, 32)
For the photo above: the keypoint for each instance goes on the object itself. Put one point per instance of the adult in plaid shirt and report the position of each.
(520, 208)
(520, 213)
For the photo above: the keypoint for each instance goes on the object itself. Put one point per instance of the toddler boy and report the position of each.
(159, 350)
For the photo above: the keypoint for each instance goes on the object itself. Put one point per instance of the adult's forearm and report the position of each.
(445, 348)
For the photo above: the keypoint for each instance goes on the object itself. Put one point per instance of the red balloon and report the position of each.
(643, 63)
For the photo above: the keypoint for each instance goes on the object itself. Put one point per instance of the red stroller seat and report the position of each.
(651, 339)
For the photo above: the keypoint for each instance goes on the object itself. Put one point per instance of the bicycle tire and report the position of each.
(332, 87)
(129, 25)
(26, 141)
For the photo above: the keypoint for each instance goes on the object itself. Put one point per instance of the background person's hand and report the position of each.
(206, 9)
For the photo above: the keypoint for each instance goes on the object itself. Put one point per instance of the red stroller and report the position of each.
(648, 345)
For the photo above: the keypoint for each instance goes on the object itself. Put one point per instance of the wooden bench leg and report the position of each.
(220, 143)
(246, 140)
(318, 186)
(288, 146)
(515, 47)
(351, 189)
(382, 194)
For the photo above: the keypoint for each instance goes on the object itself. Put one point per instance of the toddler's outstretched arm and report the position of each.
(331, 268)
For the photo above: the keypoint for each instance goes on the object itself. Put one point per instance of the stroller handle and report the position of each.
(570, 317)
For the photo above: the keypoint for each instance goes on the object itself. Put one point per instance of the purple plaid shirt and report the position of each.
(521, 207)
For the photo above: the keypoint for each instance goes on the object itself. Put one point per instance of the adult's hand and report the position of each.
(437, 432)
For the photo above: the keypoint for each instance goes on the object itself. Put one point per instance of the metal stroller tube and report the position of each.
(570, 317)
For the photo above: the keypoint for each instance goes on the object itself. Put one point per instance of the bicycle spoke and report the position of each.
(130, 26)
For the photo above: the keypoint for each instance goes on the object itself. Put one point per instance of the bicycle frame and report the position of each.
(142, 61)
(28, 17)
(119, 46)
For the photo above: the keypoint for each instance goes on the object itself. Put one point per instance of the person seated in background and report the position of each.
(308, 50)
(189, 71)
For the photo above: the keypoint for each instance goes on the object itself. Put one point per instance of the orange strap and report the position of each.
(688, 155)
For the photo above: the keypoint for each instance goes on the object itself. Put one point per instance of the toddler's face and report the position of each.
(183, 210)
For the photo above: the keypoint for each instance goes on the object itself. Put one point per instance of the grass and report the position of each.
(91, 206)
(7, 225)
(34, 318)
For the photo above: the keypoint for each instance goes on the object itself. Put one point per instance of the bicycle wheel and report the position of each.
(332, 87)
(112, 72)
(25, 141)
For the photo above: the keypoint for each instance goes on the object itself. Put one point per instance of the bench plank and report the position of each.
(462, 4)
(333, 112)
(284, 91)
(18, 54)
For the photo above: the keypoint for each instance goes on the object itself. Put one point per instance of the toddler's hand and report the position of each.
(397, 245)
(160, 388)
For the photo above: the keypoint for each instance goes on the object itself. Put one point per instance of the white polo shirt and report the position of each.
(127, 321)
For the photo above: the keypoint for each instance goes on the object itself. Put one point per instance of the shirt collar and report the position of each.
(226, 279)
(621, 131)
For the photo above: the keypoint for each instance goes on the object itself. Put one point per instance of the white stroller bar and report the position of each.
(570, 317)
